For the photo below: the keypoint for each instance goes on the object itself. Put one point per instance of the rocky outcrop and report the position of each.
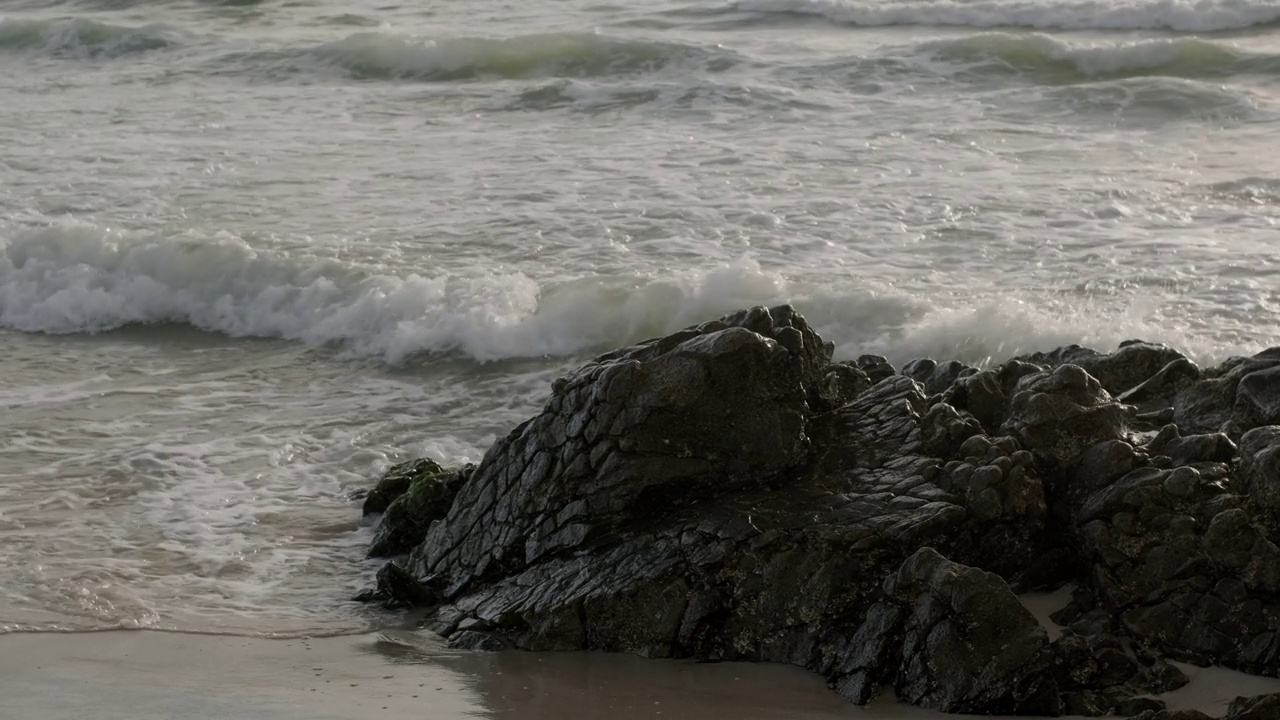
(729, 492)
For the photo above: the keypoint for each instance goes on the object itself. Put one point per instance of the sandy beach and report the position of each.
(144, 675)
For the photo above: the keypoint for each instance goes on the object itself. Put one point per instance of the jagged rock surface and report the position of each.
(730, 492)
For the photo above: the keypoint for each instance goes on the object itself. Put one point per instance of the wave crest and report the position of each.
(1054, 60)
(1177, 15)
(383, 56)
(82, 279)
(82, 38)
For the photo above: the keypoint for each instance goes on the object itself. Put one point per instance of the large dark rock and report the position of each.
(968, 644)
(729, 492)
(1059, 413)
(1242, 394)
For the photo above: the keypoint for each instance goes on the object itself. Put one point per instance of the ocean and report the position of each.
(253, 252)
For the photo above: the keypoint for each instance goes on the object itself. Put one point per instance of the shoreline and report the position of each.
(145, 675)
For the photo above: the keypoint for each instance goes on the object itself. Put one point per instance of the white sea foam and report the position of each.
(1179, 15)
(82, 279)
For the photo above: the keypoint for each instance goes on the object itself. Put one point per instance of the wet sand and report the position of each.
(142, 675)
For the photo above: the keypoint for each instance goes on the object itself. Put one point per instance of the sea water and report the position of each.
(253, 252)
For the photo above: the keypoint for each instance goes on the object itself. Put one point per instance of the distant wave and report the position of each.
(1177, 15)
(82, 279)
(1052, 59)
(377, 55)
(82, 38)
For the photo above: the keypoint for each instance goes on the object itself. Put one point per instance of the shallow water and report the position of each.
(252, 253)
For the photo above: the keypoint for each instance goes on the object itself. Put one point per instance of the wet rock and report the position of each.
(409, 516)
(1059, 413)
(1258, 474)
(1242, 394)
(934, 376)
(999, 485)
(478, 641)
(1171, 715)
(397, 588)
(1098, 467)
(1158, 391)
(876, 367)
(396, 482)
(1134, 363)
(1263, 707)
(657, 426)
(1189, 449)
(986, 395)
(728, 492)
(1136, 705)
(968, 644)
(944, 429)
(845, 382)
(1102, 677)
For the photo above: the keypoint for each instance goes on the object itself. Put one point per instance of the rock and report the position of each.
(1159, 390)
(876, 367)
(1134, 363)
(1262, 707)
(1171, 715)
(728, 492)
(1258, 475)
(985, 395)
(1102, 677)
(409, 516)
(473, 640)
(1189, 449)
(845, 382)
(1059, 413)
(1098, 467)
(968, 644)
(660, 425)
(396, 481)
(398, 589)
(1135, 705)
(1242, 394)
(936, 377)
(999, 485)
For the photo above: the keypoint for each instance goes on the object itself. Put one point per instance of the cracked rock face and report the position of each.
(722, 406)
(968, 644)
(730, 492)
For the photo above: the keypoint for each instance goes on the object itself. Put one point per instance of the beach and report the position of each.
(253, 254)
(141, 675)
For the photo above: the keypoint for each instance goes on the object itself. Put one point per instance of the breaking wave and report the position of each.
(1177, 15)
(82, 38)
(383, 56)
(1052, 59)
(82, 279)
